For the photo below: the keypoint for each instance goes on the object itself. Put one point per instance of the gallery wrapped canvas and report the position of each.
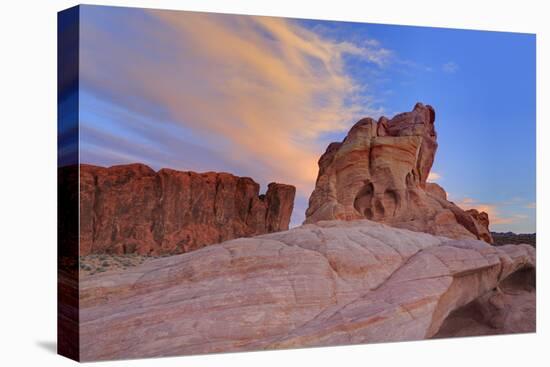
(238, 183)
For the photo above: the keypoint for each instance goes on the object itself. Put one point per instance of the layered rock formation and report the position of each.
(329, 283)
(380, 171)
(133, 209)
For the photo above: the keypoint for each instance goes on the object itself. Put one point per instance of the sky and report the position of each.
(263, 97)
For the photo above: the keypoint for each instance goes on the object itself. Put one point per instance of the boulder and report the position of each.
(329, 283)
(380, 172)
(133, 209)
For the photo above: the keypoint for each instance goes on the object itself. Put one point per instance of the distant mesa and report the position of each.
(380, 171)
(133, 209)
(505, 238)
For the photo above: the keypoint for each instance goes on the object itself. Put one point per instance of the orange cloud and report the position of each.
(262, 89)
(492, 210)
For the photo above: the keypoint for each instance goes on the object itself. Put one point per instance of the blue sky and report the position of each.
(262, 97)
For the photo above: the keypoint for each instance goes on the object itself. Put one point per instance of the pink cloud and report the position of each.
(265, 87)
(495, 217)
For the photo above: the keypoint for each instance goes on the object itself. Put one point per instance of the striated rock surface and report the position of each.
(329, 283)
(380, 171)
(133, 209)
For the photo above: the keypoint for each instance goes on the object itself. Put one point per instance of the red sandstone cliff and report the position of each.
(133, 209)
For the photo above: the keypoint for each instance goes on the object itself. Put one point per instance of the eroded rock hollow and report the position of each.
(133, 209)
(380, 172)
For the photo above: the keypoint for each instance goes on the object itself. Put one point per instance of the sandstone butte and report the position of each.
(328, 283)
(380, 172)
(133, 209)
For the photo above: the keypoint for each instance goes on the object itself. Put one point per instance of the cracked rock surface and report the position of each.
(329, 283)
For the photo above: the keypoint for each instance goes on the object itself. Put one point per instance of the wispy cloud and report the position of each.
(375, 53)
(450, 67)
(493, 210)
(260, 93)
(409, 67)
(434, 177)
(370, 49)
(531, 205)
